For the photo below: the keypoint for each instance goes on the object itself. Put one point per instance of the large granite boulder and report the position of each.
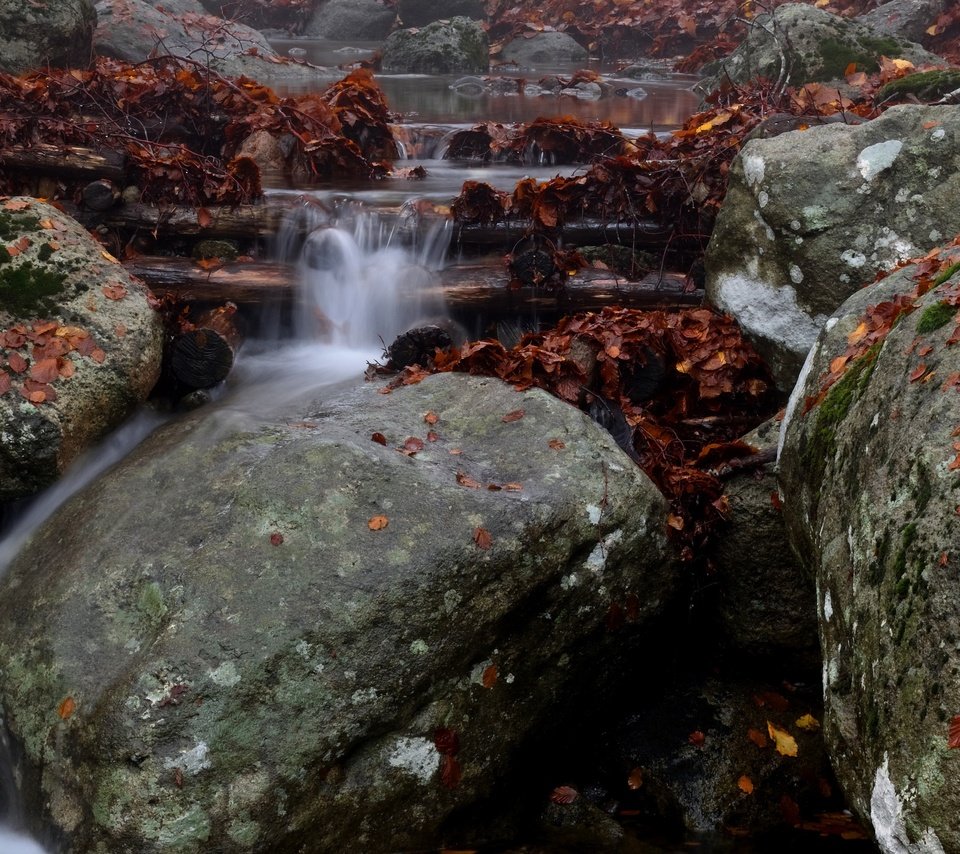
(811, 216)
(134, 30)
(36, 35)
(539, 50)
(419, 13)
(317, 641)
(80, 346)
(443, 47)
(347, 20)
(869, 471)
(816, 45)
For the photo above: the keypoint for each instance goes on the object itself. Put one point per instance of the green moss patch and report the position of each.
(14, 225)
(946, 274)
(822, 445)
(836, 56)
(934, 316)
(924, 85)
(28, 290)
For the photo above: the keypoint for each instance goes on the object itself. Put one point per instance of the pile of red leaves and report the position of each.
(180, 126)
(677, 182)
(680, 429)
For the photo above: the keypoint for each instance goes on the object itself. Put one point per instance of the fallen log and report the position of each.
(70, 162)
(264, 220)
(202, 356)
(464, 288)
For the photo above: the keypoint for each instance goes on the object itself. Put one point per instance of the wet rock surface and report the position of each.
(811, 216)
(322, 642)
(543, 50)
(80, 345)
(869, 476)
(344, 20)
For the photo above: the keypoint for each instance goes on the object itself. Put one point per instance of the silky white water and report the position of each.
(358, 290)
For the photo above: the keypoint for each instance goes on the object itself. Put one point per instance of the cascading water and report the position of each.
(359, 288)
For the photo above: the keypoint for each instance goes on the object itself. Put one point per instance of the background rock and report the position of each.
(869, 476)
(817, 45)
(456, 46)
(418, 13)
(346, 20)
(35, 35)
(254, 660)
(811, 216)
(543, 49)
(97, 359)
(905, 19)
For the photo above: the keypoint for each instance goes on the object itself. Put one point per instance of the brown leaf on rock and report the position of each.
(450, 774)
(378, 523)
(45, 371)
(564, 795)
(482, 537)
(5, 382)
(489, 678)
(465, 480)
(66, 708)
(556, 444)
(745, 785)
(953, 734)
(17, 363)
(431, 418)
(114, 292)
(757, 737)
(515, 415)
(276, 539)
(379, 438)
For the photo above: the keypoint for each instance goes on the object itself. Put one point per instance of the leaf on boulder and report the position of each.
(378, 523)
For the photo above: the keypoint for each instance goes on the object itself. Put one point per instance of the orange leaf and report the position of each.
(108, 256)
(114, 292)
(953, 738)
(431, 418)
(378, 523)
(379, 438)
(411, 445)
(697, 738)
(489, 678)
(467, 481)
(45, 371)
(431, 436)
(482, 537)
(785, 743)
(757, 737)
(515, 415)
(556, 444)
(564, 795)
(203, 218)
(17, 363)
(635, 780)
(66, 708)
(918, 372)
(745, 784)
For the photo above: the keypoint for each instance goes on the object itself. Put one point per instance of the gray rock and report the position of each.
(868, 474)
(767, 600)
(906, 19)
(347, 20)
(543, 49)
(811, 216)
(418, 13)
(180, 7)
(251, 666)
(104, 348)
(133, 30)
(815, 44)
(37, 35)
(456, 46)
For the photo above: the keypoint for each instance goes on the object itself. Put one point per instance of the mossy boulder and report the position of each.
(37, 35)
(816, 45)
(316, 642)
(811, 216)
(80, 346)
(443, 47)
(871, 482)
(906, 19)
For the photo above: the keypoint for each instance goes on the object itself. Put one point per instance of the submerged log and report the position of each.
(243, 221)
(464, 288)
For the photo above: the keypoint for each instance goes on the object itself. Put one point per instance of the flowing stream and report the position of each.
(360, 287)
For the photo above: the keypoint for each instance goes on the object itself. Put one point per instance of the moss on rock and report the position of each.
(924, 85)
(29, 290)
(934, 316)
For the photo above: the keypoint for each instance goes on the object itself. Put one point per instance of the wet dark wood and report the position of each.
(69, 162)
(202, 356)
(463, 287)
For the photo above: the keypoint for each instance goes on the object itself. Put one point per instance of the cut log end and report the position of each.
(200, 358)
